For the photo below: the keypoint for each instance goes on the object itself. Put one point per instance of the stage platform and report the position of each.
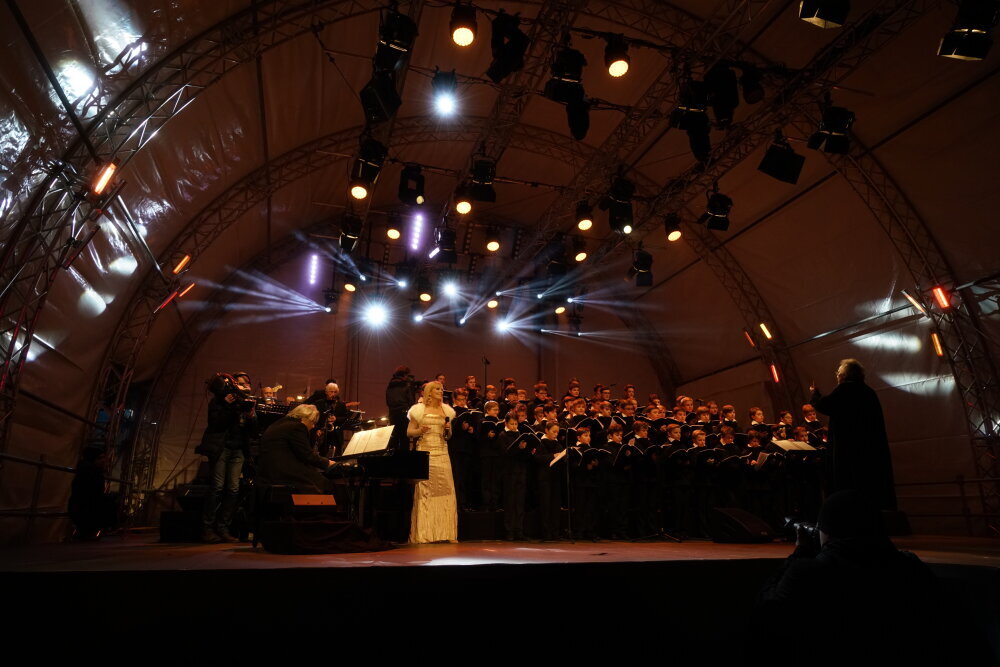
(491, 602)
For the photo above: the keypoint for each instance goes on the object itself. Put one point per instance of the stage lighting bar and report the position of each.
(936, 340)
(914, 302)
(766, 331)
(774, 373)
(749, 338)
(416, 231)
(185, 260)
(103, 178)
(942, 297)
(313, 269)
(173, 295)
(186, 290)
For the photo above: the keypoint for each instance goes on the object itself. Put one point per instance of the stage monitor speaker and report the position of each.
(734, 525)
(317, 536)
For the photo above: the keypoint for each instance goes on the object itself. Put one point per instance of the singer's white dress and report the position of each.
(435, 510)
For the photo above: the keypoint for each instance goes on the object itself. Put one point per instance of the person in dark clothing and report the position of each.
(515, 477)
(91, 509)
(850, 596)
(548, 480)
(230, 419)
(333, 413)
(399, 396)
(857, 438)
(286, 455)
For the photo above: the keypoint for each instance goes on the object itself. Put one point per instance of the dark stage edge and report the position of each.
(470, 603)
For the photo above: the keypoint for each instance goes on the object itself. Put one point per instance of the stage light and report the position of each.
(832, 136)
(578, 118)
(103, 178)
(492, 303)
(749, 338)
(825, 13)
(567, 73)
(350, 230)
(509, 45)
(723, 93)
(969, 37)
(417, 311)
(424, 289)
(186, 290)
(781, 162)
(185, 260)
(404, 273)
(376, 314)
(327, 309)
(618, 204)
(579, 249)
(503, 325)
(584, 216)
(642, 268)
(444, 250)
(492, 239)
(463, 199)
(397, 33)
(411, 185)
(350, 287)
(672, 226)
(616, 56)
(366, 167)
(484, 170)
(942, 297)
(163, 304)
(379, 99)
(774, 373)
(463, 24)
(914, 302)
(716, 215)
(580, 256)
(765, 331)
(450, 289)
(313, 269)
(392, 229)
(445, 91)
(560, 310)
(936, 340)
(416, 231)
(691, 116)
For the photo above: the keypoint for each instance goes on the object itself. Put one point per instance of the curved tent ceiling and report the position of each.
(250, 128)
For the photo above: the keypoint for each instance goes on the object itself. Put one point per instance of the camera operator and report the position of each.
(847, 595)
(230, 419)
(399, 396)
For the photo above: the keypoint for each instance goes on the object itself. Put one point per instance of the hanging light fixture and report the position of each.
(616, 56)
(463, 24)
(825, 13)
(672, 226)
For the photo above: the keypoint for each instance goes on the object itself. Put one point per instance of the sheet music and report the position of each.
(365, 442)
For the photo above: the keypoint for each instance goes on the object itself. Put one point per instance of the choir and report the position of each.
(625, 470)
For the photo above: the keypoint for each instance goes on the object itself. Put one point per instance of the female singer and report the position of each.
(435, 512)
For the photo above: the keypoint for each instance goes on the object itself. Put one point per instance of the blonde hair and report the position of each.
(428, 388)
(305, 412)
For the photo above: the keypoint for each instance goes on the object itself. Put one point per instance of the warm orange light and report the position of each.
(463, 206)
(560, 310)
(914, 302)
(774, 373)
(942, 297)
(359, 191)
(492, 303)
(186, 290)
(674, 235)
(936, 339)
(749, 338)
(580, 256)
(767, 332)
(463, 36)
(393, 233)
(104, 177)
(350, 287)
(425, 296)
(163, 305)
(181, 264)
(493, 245)
(584, 224)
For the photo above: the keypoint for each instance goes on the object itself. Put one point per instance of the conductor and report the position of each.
(857, 437)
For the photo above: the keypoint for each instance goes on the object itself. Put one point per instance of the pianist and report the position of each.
(286, 456)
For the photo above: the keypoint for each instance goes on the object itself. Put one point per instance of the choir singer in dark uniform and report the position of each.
(858, 441)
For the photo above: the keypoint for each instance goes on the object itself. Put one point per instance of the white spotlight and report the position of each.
(445, 104)
(418, 317)
(450, 289)
(376, 315)
(503, 325)
(403, 284)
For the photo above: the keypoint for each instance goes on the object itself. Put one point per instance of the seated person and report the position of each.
(286, 456)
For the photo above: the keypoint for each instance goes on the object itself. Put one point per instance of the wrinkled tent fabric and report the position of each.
(814, 250)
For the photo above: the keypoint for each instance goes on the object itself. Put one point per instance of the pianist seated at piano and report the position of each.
(286, 455)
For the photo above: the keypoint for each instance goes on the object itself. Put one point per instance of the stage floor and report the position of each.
(141, 551)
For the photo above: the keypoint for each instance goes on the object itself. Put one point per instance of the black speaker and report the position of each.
(379, 98)
(732, 524)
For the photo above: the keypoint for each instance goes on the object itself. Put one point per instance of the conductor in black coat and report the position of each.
(857, 437)
(286, 457)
